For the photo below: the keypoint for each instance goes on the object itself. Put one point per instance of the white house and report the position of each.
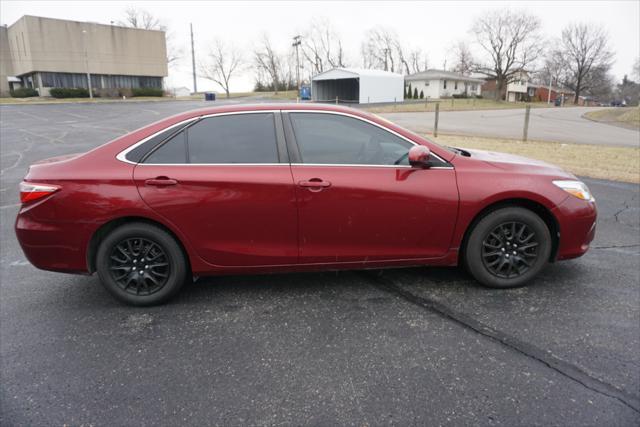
(357, 85)
(443, 84)
(518, 89)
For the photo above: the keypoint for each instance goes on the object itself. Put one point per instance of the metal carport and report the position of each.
(357, 86)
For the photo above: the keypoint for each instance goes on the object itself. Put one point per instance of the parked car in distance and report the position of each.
(301, 187)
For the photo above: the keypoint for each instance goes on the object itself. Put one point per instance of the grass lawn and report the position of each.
(624, 117)
(452, 105)
(595, 161)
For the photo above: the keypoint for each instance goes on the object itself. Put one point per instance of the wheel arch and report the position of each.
(539, 209)
(111, 225)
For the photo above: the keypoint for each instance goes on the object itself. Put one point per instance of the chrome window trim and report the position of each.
(121, 156)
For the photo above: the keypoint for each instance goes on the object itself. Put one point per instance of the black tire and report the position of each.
(496, 253)
(141, 264)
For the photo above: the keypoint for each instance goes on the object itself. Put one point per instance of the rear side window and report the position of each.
(172, 152)
(240, 138)
(138, 153)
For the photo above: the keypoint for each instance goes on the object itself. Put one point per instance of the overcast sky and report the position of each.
(431, 25)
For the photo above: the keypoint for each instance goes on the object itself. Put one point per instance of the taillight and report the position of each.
(30, 191)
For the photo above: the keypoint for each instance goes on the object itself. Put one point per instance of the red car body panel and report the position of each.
(256, 218)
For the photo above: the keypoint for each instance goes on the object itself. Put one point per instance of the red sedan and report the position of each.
(274, 188)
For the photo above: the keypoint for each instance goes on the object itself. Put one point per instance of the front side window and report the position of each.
(336, 139)
(238, 138)
(445, 84)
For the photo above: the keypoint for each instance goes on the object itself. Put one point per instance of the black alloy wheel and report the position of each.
(139, 266)
(507, 247)
(510, 249)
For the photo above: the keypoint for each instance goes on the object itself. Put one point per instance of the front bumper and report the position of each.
(577, 223)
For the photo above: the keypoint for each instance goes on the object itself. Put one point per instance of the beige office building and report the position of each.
(43, 53)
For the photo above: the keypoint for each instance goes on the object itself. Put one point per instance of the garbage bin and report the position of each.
(209, 96)
(305, 92)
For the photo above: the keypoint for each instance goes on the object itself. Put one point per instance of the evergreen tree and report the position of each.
(421, 94)
(415, 93)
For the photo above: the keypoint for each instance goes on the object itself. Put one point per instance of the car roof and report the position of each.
(276, 106)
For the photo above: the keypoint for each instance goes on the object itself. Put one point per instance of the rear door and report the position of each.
(358, 198)
(225, 182)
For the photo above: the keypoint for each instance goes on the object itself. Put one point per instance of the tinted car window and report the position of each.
(139, 152)
(171, 152)
(336, 139)
(241, 138)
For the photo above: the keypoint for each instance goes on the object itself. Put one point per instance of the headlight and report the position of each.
(576, 188)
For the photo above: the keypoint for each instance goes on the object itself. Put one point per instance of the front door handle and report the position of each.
(314, 184)
(161, 181)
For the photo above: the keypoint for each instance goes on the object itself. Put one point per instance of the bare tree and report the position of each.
(141, 18)
(584, 48)
(223, 63)
(418, 60)
(268, 63)
(322, 47)
(379, 49)
(464, 62)
(512, 41)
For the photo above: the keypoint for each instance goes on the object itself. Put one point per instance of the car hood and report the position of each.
(512, 162)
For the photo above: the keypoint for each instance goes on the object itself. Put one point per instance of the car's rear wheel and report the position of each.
(141, 264)
(507, 248)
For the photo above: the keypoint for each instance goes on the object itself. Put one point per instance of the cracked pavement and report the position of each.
(418, 346)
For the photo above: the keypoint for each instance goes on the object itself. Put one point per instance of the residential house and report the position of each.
(444, 84)
(519, 89)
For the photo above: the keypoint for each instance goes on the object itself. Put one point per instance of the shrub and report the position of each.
(24, 92)
(147, 91)
(415, 93)
(459, 95)
(421, 94)
(69, 92)
(409, 92)
(479, 96)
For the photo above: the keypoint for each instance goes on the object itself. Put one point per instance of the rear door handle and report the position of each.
(161, 181)
(314, 184)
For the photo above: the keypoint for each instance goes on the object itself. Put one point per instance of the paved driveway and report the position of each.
(546, 124)
(420, 346)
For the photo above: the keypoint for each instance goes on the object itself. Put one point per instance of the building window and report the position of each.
(474, 87)
(99, 81)
(426, 83)
(445, 84)
(455, 85)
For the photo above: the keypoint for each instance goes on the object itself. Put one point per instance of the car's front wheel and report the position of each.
(141, 264)
(507, 248)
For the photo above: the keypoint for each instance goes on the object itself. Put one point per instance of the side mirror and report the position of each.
(419, 156)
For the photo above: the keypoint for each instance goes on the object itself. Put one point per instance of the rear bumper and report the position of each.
(54, 246)
(577, 221)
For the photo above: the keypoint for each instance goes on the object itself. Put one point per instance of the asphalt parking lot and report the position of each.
(419, 346)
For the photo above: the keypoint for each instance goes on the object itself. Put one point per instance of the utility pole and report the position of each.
(549, 94)
(86, 62)
(296, 44)
(193, 62)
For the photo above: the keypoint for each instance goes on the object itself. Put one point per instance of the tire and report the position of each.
(493, 245)
(136, 248)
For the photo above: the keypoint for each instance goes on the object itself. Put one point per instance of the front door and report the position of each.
(225, 184)
(358, 198)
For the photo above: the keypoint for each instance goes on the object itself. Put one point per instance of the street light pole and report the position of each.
(86, 62)
(296, 44)
(193, 62)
